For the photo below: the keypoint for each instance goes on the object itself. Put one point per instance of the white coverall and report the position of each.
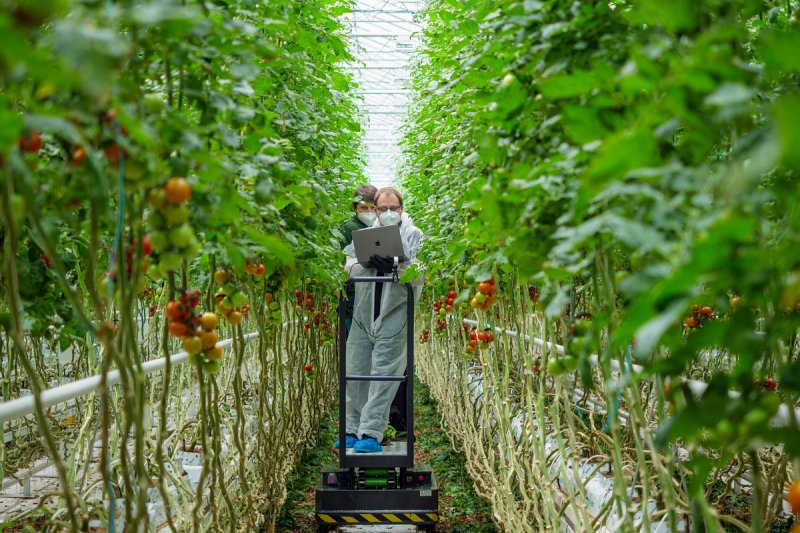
(378, 347)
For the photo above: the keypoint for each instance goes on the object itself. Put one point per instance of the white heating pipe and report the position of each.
(20, 407)
(782, 418)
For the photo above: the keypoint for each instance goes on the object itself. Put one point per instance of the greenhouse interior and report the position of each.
(467, 266)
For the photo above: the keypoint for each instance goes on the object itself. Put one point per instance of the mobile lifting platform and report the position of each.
(384, 488)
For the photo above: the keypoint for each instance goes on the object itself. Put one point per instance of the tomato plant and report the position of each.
(586, 156)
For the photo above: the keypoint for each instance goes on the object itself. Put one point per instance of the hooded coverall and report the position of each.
(377, 346)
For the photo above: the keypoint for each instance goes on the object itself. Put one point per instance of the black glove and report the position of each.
(382, 264)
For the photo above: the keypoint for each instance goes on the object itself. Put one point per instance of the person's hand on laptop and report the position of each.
(382, 264)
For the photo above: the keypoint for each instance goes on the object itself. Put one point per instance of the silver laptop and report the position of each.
(384, 241)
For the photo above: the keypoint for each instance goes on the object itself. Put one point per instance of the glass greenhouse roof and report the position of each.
(384, 38)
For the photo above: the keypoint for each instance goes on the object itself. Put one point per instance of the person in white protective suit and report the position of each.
(377, 342)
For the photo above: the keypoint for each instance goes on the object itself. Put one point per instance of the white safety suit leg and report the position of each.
(359, 362)
(388, 359)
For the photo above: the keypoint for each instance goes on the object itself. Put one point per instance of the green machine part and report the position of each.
(376, 472)
(376, 483)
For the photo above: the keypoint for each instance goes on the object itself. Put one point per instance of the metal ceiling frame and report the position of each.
(384, 36)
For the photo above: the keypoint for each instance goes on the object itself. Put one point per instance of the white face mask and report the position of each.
(367, 217)
(389, 218)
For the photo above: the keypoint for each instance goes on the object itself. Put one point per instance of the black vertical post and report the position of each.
(410, 376)
(342, 380)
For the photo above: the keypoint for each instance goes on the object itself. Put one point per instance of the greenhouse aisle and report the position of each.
(460, 509)
(606, 193)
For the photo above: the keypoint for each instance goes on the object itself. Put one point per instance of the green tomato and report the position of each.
(154, 220)
(181, 235)
(175, 215)
(575, 346)
(159, 241)
(273, 305)
(239, 299)
(155, 272)
(211, 367)
(555, 367)
(570, 363)
(134, 171)
(480, 297)
(153, 102)
(192, 249)
(582, 327)
(724, 430)
(228, 289)
(169, 261)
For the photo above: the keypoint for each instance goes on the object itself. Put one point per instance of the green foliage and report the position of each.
(647, 146)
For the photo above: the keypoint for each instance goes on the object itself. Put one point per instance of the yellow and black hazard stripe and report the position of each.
(378, 518)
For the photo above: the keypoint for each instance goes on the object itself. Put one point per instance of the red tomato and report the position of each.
(794, 496)
(178, 329)
(484, 287)
(174, 310)
(308, 368)
(78, 156)
(177, 190)
(451, 294)
(32, 143)
(706, 311)
(473, 335)
(482, 336)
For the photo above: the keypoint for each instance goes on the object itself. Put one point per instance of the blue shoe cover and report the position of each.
(349, 441)
(367, 445)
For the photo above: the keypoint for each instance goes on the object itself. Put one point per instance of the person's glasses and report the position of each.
(394, 208)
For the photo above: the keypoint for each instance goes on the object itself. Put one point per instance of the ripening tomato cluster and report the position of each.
(445, 305)
(232, 304)
(484, 298)
(479, 339)
(273, 307)
(424, 336)
(699, 316)
(254, 269)
(533, 294)
(768, 384)
(30, 143)
(172, 236)
(305, 300)
(180, 314)
(197, 331)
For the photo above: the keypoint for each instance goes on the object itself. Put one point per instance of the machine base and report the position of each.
(350, 496)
